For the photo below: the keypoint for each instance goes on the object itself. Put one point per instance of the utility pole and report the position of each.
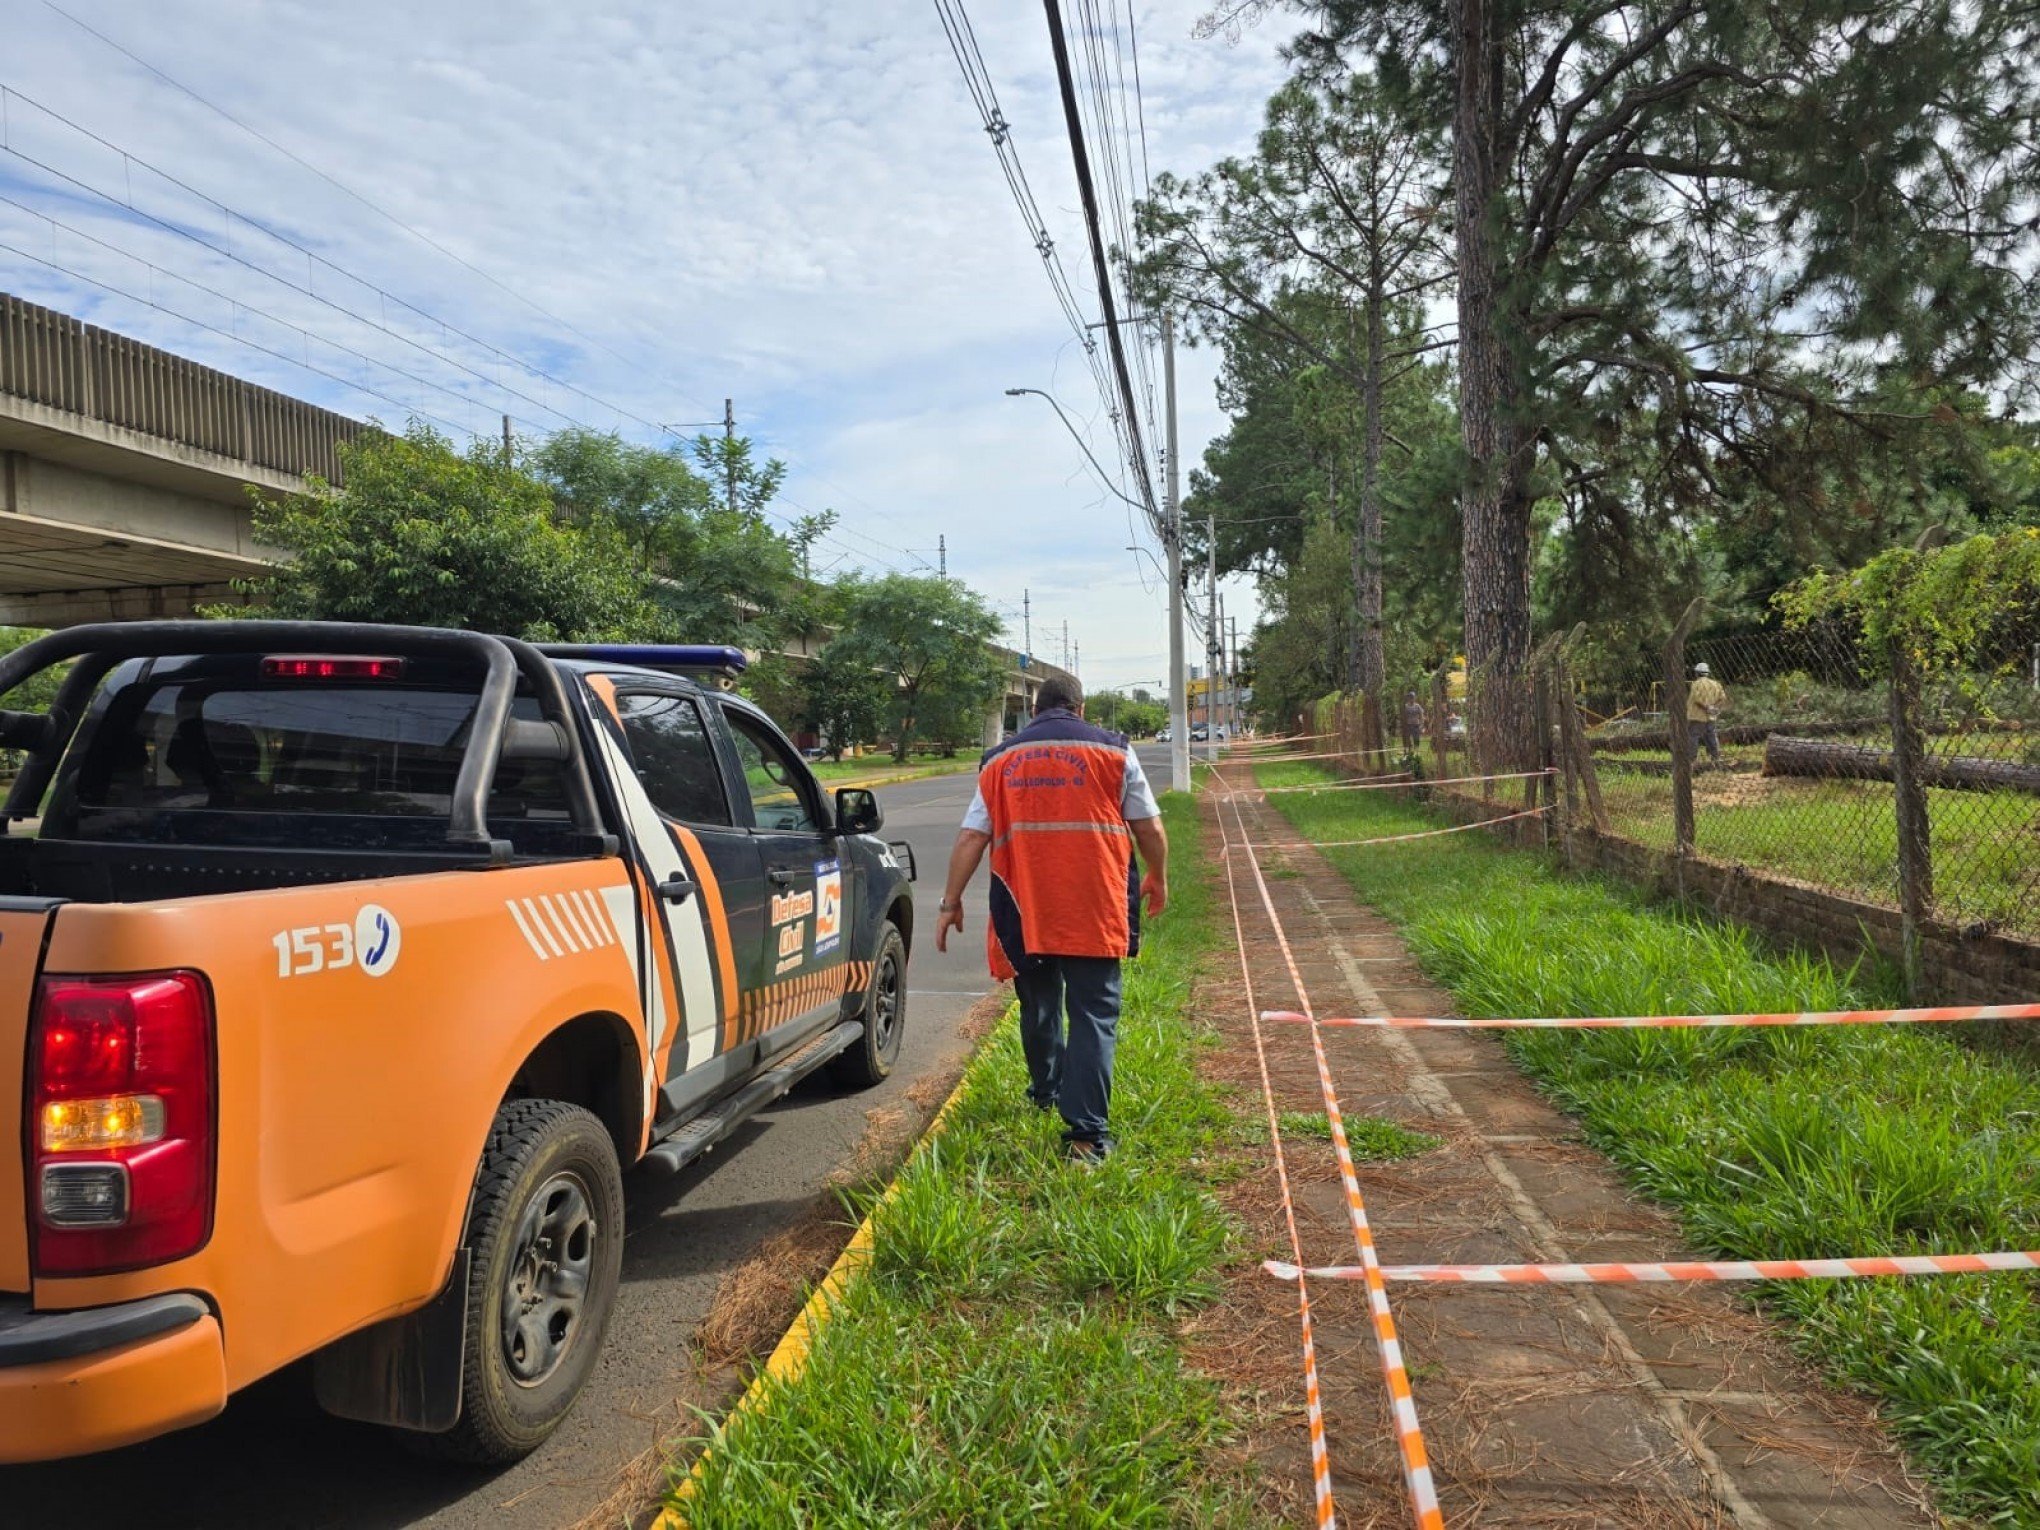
(1027, 623)
(942, 554)
(1211, 637)
(1172, 539)
(1236, 723)
(506, 440)
(1225, 690)
(1077, 661)
(1066, 645)
(729, 435)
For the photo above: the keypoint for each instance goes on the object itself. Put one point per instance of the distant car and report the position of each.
(1455, 727)
(1199, 733)
(1163, 736)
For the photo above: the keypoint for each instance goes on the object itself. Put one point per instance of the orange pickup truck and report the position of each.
(344, 971)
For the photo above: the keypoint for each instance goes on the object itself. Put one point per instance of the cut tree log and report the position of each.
(1785, 756)
(1640, 740)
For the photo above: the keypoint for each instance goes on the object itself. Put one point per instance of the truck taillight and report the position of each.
(121, 1121)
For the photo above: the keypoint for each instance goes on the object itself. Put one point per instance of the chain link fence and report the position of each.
(1980, 753)
(1796, 755)
(1762, 713)
(1800, 763)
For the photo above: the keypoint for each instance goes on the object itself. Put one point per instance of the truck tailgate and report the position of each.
(23, 924)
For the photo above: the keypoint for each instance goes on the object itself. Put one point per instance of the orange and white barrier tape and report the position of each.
(1409, 1436)
(1275, 759)
(1669, 1022)
(1269, 740)
(1386, 783)
(1313, 1399)
(1696, 1269)
(1396, 839)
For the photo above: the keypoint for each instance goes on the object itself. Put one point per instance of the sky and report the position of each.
(620, 213)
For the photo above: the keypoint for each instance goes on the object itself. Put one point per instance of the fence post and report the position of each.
(1909, 801)
(1440, 740)
(1581, 759)
(1675, 730)
(1548, 746)
(1565, 747)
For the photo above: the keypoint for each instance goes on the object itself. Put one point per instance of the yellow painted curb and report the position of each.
(789, 1357)
(872, 783)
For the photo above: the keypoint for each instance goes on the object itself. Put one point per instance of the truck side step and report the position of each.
(703, 1132)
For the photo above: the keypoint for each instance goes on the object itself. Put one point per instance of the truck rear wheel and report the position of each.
(869, 1060)
(546, 1247)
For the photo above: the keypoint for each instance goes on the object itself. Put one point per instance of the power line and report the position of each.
(311, 257)
(1104, 273)
(969, 57)
(348, 191)
(660, 382)
(106, 286)
(385, 297)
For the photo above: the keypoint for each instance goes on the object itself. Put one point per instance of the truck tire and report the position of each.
(869, 1060)
(545, 1240)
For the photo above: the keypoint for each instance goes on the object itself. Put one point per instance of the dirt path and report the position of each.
(1672, 1405)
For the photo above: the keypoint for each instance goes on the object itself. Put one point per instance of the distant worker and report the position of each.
(1706, 700)
(1061, 805)
(1412, 722)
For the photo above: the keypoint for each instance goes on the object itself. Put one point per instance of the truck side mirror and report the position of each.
(857, 811)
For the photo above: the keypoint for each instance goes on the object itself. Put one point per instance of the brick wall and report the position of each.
(1957, 966)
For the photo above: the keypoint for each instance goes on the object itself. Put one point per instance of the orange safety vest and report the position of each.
(1064, 880)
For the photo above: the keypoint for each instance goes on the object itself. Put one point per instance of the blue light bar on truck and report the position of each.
(677, 658)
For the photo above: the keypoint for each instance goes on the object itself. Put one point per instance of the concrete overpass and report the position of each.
(124, 478)
(124, 472)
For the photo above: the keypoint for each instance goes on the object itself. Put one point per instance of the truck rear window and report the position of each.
(267, 750)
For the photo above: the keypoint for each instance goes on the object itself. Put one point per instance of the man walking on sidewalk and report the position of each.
(1061, 805)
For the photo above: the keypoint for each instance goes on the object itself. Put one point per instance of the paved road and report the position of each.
(272, 1459)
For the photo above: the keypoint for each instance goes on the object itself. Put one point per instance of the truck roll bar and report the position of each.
(101, 645)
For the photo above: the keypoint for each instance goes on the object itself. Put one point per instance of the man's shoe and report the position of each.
(1084, 1152)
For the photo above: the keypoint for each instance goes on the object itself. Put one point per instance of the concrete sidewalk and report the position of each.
(1670, 1405)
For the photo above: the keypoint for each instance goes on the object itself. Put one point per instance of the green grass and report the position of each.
(878, 766)
(1369, 1138)
(1010, 1355)
(1771, 1144)
(1844, 835)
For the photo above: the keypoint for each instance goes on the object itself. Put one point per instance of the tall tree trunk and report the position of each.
(1494, 501)
(1367, 523)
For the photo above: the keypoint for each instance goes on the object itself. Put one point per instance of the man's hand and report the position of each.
(1152, 840)
(964, 856)
(1154, 892)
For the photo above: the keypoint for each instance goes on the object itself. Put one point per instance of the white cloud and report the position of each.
(790, 204)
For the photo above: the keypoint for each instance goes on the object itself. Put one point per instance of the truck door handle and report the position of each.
(782, 877)
(678, 889)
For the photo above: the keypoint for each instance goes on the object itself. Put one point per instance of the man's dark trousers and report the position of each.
(1075, 1075)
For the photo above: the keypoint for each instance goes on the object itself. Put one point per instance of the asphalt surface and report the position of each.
(273, 1459)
